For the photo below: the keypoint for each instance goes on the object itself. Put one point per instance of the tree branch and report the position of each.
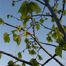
(12, 26)
(48, 60)
(60, 27)
(42, 15)
(63, 6)
(47, 44)
(15, 57)
(48, 52)
(47, 27)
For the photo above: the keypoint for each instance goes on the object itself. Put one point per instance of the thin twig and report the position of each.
(62, 9)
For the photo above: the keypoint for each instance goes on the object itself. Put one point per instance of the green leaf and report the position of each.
(6, 37)
(39, 57)
(32, 52)
(52, 19)
(37, 26)
(49, 39)
(1, 21)
(27, 8)
(27, 41)
(14, 31)
(34, 7)
(41, 21)
(17, 39)
(59, 33)
(28, 46)
(53, 27)
(58, 50)
(24, 9)
(10, 63)
(19, 55)
(23, 64)
(34, 62)
(34, 46)
(54, 35)
(25, 23)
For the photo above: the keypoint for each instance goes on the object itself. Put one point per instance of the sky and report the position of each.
(12, 48)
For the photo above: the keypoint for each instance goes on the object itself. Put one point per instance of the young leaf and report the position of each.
(24, 9)
(37, 26)
(52, 19)
(49, 39)
(34, 62)
(34, 7)
(27, 41)
(54, 35)
(10, 63)
(39, 57)
(19, 28)
(6, 37)
(58, 50)
(17, 39)
(1, 21)
(41, 21)
(19, 55)
(32, 52)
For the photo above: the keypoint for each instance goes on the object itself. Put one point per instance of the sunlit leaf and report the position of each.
(24, 9)
(34, 7)
(27, 8)
(58, 50)
(6, 37)
(59, 34)
(54, 35)
(17, 39)
(19, 28)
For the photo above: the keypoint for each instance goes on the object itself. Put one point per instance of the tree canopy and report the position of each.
(40, 25)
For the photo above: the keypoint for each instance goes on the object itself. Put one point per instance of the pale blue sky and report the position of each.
(6, 8)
